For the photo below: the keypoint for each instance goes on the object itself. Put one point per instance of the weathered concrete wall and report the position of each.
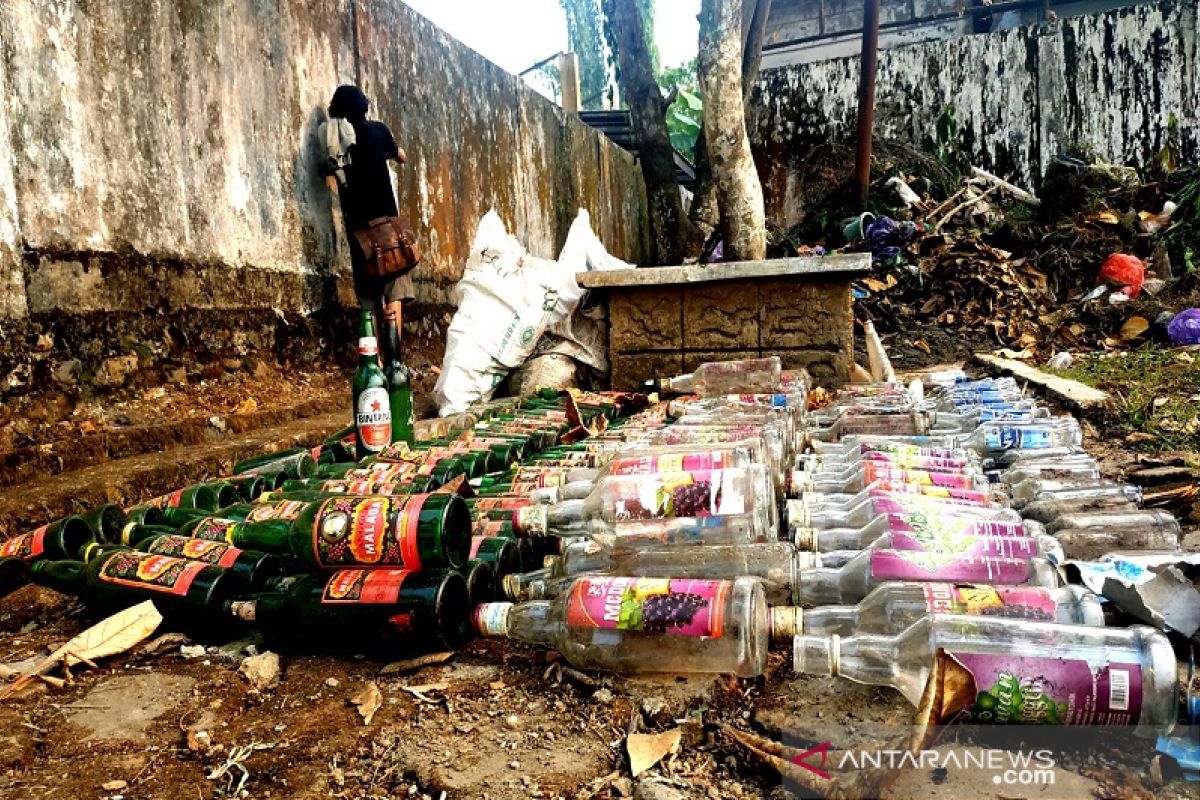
(160, 157)
(1109, 82)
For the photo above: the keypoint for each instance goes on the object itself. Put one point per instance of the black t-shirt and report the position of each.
(368, 190)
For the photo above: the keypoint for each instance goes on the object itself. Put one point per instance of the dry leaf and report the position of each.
(1133, 328)
(114, 786)
(874, 284)
(408, 665)
(247, 406)
(1105, 217)
(369, 700)
(647, 749)
(166, 640)
(110, 636)
(923, 346)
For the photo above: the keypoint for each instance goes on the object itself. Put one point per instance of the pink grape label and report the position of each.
(966, 545)
(944, 492)
(945, 523)
(650, 605)
(1042, 690)
(699, 493)
(916, 566)
(876, 472)
(669, 462)
(900, 502)
(1023, 602)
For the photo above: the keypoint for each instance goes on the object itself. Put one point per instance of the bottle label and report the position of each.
(380, 586)
(476, 541)
(650, 605)
(398, 452)
(152, 572)
(210, 552)
(944, 543)
(214, 529)
(910, 566)
(505, 503)
(879, 472)
(489, 528)
(373, 419)
(700, 493)
(1035, 690)
(283, 509)
(368, 532)
(491, 619)
(1006, 437)
(944, 522)
(668, 463)
(1023, 602)
(368, 346)
(27, 546)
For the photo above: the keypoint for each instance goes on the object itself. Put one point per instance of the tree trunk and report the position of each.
(673, 237)
(738, 190)
(585, 33)
(705, 214)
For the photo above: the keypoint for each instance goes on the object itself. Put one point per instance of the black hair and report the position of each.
(349, 103)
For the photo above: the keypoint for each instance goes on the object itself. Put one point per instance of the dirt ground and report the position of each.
(496, 720)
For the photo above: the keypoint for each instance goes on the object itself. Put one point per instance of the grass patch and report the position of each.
(1156, 391)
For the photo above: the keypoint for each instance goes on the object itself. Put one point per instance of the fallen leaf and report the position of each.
(647, 749)
(160, 642)
(1159, 402)
(408, 665)
(114, 786)
(875, 285)
(1133, 328)
(369, 700)
(1186, 358)
(247, 406)
(922, 345)
(109, 636)
(199, 741)
(1105, 217)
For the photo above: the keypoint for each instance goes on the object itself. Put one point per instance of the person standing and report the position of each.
(365, 192)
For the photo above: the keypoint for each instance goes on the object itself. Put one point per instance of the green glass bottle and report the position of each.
(61, 539)
(257, 567)
(105, 522)
(399, 386)
(372, 408)
(144, 515)
(411, 532)
(481, 581)
(115, 577)
(297, 462)
(227, 493)
(14, 573)
(359, 603)
(249, 487)
(198, 496)
(503, 555)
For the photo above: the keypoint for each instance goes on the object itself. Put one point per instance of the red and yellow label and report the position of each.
(210, 552)
(152, 572)
(215, 529)
(371, 532)
(27, 546)
(364, 586)
(282, 509)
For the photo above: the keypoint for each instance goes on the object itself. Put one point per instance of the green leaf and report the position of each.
(690, 100)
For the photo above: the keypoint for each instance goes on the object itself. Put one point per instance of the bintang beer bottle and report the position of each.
(372, 407)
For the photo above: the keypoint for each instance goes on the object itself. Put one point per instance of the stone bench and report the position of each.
(667, 320)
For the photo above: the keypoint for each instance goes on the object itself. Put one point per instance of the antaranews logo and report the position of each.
(1011, 767)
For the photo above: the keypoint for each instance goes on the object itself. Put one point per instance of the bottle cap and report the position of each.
(491, 619)
(786, 622)
(805, 539)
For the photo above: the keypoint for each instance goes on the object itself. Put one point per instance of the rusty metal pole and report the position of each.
(866, 100)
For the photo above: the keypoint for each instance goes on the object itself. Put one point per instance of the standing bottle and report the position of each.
(394, 601)
(372, 407)
(855, 579)
(399, 386)
(1014, 670)
(892, 607)
(623, 624)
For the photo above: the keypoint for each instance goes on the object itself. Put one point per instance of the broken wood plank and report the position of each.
(1079, 397)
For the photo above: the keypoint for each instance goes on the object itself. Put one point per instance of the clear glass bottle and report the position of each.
(1158, 520)
(1055, 432)
(1033, 489)
(893, 607)
(939, 544)
(631, 625)
(715, 378)
(857, 577)
(1019, 671)
(863, 508)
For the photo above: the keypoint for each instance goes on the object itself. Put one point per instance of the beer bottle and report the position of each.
(249, 488)
(116, 576)
(64, 538)
(227, 494)
(399, 386)
(480, 578)
(198, 496)
(372, 408)
(503, 555)
(297, 463)
(105, 522)
(347, 532)
(398, 601)
(14, 573)
(257, 567)
(144, 515)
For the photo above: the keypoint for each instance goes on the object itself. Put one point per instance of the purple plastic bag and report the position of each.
(1185, 327)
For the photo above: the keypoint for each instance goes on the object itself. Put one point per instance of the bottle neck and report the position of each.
(368, 351)
(830, 620)
(64, 576)
(818, 587)
(391, 333)
(261, 609)
(872, 660)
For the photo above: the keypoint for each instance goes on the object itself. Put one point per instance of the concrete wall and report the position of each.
(1107, 81)
(158, 156)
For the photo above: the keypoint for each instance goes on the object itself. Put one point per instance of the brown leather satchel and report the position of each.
(389, 247)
